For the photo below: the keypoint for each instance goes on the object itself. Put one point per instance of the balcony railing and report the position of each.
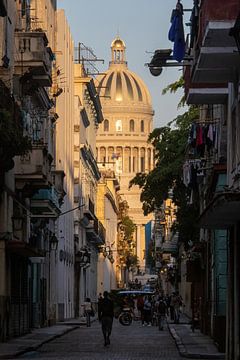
(45, 203)
(96, 232)
(34, 167)
(32, 56)
(89, 209)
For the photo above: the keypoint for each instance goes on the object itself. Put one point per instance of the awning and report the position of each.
(222, 212)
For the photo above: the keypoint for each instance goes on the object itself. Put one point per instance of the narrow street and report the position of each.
(127, 343)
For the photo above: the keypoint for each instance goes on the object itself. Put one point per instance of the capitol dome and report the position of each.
(122, 138)
(120, 85)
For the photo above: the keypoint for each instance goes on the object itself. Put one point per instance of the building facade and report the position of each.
(89, 232)
(213, 83)
(122, 137)
(63, 91)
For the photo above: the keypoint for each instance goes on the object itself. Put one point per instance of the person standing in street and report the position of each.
(88, 311)
(162, 312)
(106, 317)
(100, 299)
(147, 310)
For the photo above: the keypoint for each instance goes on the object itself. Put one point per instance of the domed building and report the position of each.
(122, 136)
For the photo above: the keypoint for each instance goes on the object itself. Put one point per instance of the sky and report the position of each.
(143, 25)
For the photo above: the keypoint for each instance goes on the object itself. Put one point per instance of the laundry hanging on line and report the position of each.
(203, 138)
(176, 33)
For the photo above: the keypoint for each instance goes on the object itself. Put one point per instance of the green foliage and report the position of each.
(129, 228)
(131, 261)
(172, 88)
(170, 144)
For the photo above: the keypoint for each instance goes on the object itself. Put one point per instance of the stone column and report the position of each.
(107, 159)
(131, 149)
(138, 242)
(123, 158)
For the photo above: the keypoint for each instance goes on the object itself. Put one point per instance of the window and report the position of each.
(142, 160)
(142, 126)
(129, 164)
(106, 125)
(134, 164)
(131, 125)
(119, 125)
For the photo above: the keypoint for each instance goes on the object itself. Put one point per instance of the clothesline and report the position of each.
(207, 122)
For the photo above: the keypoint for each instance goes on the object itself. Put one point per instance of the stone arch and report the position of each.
(142, 160)
(149, 159)
(102, 154)
(111, 154)
(135, 156)
(127, 160)
(131, 125)
(106, 125)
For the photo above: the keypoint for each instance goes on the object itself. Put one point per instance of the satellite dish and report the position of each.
(155, 71)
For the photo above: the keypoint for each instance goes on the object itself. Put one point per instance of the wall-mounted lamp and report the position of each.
(53, 242)
(83, 257)
(17, 222)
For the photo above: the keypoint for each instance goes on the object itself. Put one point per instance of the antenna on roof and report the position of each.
(84, 55)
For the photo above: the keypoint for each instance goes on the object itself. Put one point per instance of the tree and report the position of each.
(126, 245)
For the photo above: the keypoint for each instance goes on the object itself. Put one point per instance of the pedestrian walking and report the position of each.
(88, 310)
(100, 298)
(147, 310)
(162, 312)
(140, 304)
(106, 317)
(176, 302)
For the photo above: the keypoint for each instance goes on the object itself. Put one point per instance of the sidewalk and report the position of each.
(191, 344)
(32, 341)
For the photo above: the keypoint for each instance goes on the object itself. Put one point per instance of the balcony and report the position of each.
(89, 209)
(216, 56)
(45, 204)
(33, 57)
(33, 168)
(20, 244)
(96, 232)
(203, 93)
(223, 203)
(207, 95)
(58, 181)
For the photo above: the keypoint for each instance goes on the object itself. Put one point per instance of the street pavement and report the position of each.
(74, 341)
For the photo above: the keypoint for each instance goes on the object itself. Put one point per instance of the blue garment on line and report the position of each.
(176, 35)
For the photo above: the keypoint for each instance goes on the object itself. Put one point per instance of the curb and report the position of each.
(184, 353)
(35, 347)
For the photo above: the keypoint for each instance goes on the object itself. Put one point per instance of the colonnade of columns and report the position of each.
(132, 159)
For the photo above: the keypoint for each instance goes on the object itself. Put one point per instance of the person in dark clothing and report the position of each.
(162, 312)
(100, 299)
(106, 317)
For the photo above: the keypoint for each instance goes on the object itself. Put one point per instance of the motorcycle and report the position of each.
(126, 317)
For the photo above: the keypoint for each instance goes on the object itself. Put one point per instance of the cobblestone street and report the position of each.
(131, 342)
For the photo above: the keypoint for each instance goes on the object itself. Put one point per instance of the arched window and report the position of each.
(106, 125)
(131, 125)
(142, 126)
(119, 125)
